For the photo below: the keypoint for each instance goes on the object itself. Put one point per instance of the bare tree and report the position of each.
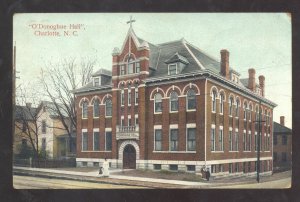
(27, 118)
(59, 80)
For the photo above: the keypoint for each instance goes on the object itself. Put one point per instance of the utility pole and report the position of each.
(258, 143)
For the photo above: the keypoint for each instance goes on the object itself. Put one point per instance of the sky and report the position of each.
(255, 40)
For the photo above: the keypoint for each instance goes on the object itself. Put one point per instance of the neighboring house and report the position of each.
(171, 106)
(24, 120)
(53, 137)
(282, 146)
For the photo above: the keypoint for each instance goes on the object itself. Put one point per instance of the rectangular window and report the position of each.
(84, 141)
(173, 167)
(283, 156)
(212, 139)
(255, 166)
(236, 141)
(122, 122)
(275, 156)
(172, 69)
(191, 139)
(129, 96)
(108, 141)
(136, 96)
(43, 126)
(213, 168)
(129, 121)
(236, 167)
(221, 168)
(136, 121)
(44, 144)
(96, 81)
(230, 169)
(122, 97)
(158, 140)
(157, 166)
(244, 167)
(249, 167)
(261, 142)
(130, 68)
(174, 139)
(96, 141)
(244, 141)
(268, 142)
(284, 139)
(191, 168)
(96, 164)
(230, 141)
(256, 143)
(137, 67)
(249, 142)
(221, 143)
(122, 70)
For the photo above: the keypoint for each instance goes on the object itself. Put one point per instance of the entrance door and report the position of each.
(129, 157)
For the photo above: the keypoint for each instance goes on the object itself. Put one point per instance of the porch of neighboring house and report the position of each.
(63, 145)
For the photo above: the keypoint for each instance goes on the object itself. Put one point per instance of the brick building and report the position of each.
(282, 146)
(171, 106)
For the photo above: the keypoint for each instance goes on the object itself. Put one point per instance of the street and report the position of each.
(276, 184)
(26, 182)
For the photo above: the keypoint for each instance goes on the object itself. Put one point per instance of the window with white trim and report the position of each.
(230, 106)
(214, 101)
(108, 141)
(244, 141)
(237, 108)
(173, 101)
(173, 139)
(137, 67)
(122, 70)
(249, 141)
(129, 121)
(84, 141)
(158, 102)
(130, 66)
(172, 69)
(44, 126)
(221, 140)
(236, 140)
(129, 95)
(250, 112)
(136, 97)
(96, 111)
(230, 141)
(122, 97)
(213, 139)
(96, 141)
(108, 107)
(97, 81)
(191, 99)
(136, 121)
(256, 142)
(157, 140)
(245, 111)
(191, 139)
(85, 110)
(221, 103)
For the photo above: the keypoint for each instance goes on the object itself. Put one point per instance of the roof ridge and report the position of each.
(204, 52)
(178, 40)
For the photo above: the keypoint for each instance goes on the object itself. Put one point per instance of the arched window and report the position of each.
(85, 110)
(221, 103)
(96, 108)
(108, 107)
(245, 110)
(173, 101)
(230, 105)
(191, 99)
(237, 108)
(250, 112)
(214, 101)
(158, 103)
(256, 113)
(130, 66)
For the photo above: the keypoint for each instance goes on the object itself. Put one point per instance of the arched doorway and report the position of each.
(129, 157)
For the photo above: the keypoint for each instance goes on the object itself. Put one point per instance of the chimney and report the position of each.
(282, 120)
(261, 79)
(225, 63)
(28, 105)
(251, 81)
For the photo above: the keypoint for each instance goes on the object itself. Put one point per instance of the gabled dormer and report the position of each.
(234, 76)
(176, 64)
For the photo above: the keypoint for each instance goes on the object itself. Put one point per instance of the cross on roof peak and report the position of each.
(130, 21)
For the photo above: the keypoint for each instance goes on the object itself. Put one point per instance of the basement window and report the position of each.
(191, 167)
(157, 166)
(173, 167)
(96, 164)
(84, 163)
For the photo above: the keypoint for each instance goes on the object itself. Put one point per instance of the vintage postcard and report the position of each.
(152, 100)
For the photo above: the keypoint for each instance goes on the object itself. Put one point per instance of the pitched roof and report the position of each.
(278, 128)
(102, 71)
(25, 113)
(90, 87)
(51, 108)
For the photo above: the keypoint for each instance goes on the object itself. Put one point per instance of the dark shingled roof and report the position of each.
(278, 128)
(25, 113)
(102, 72)
(50, 107)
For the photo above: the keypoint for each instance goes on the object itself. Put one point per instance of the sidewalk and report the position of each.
(94, 175)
